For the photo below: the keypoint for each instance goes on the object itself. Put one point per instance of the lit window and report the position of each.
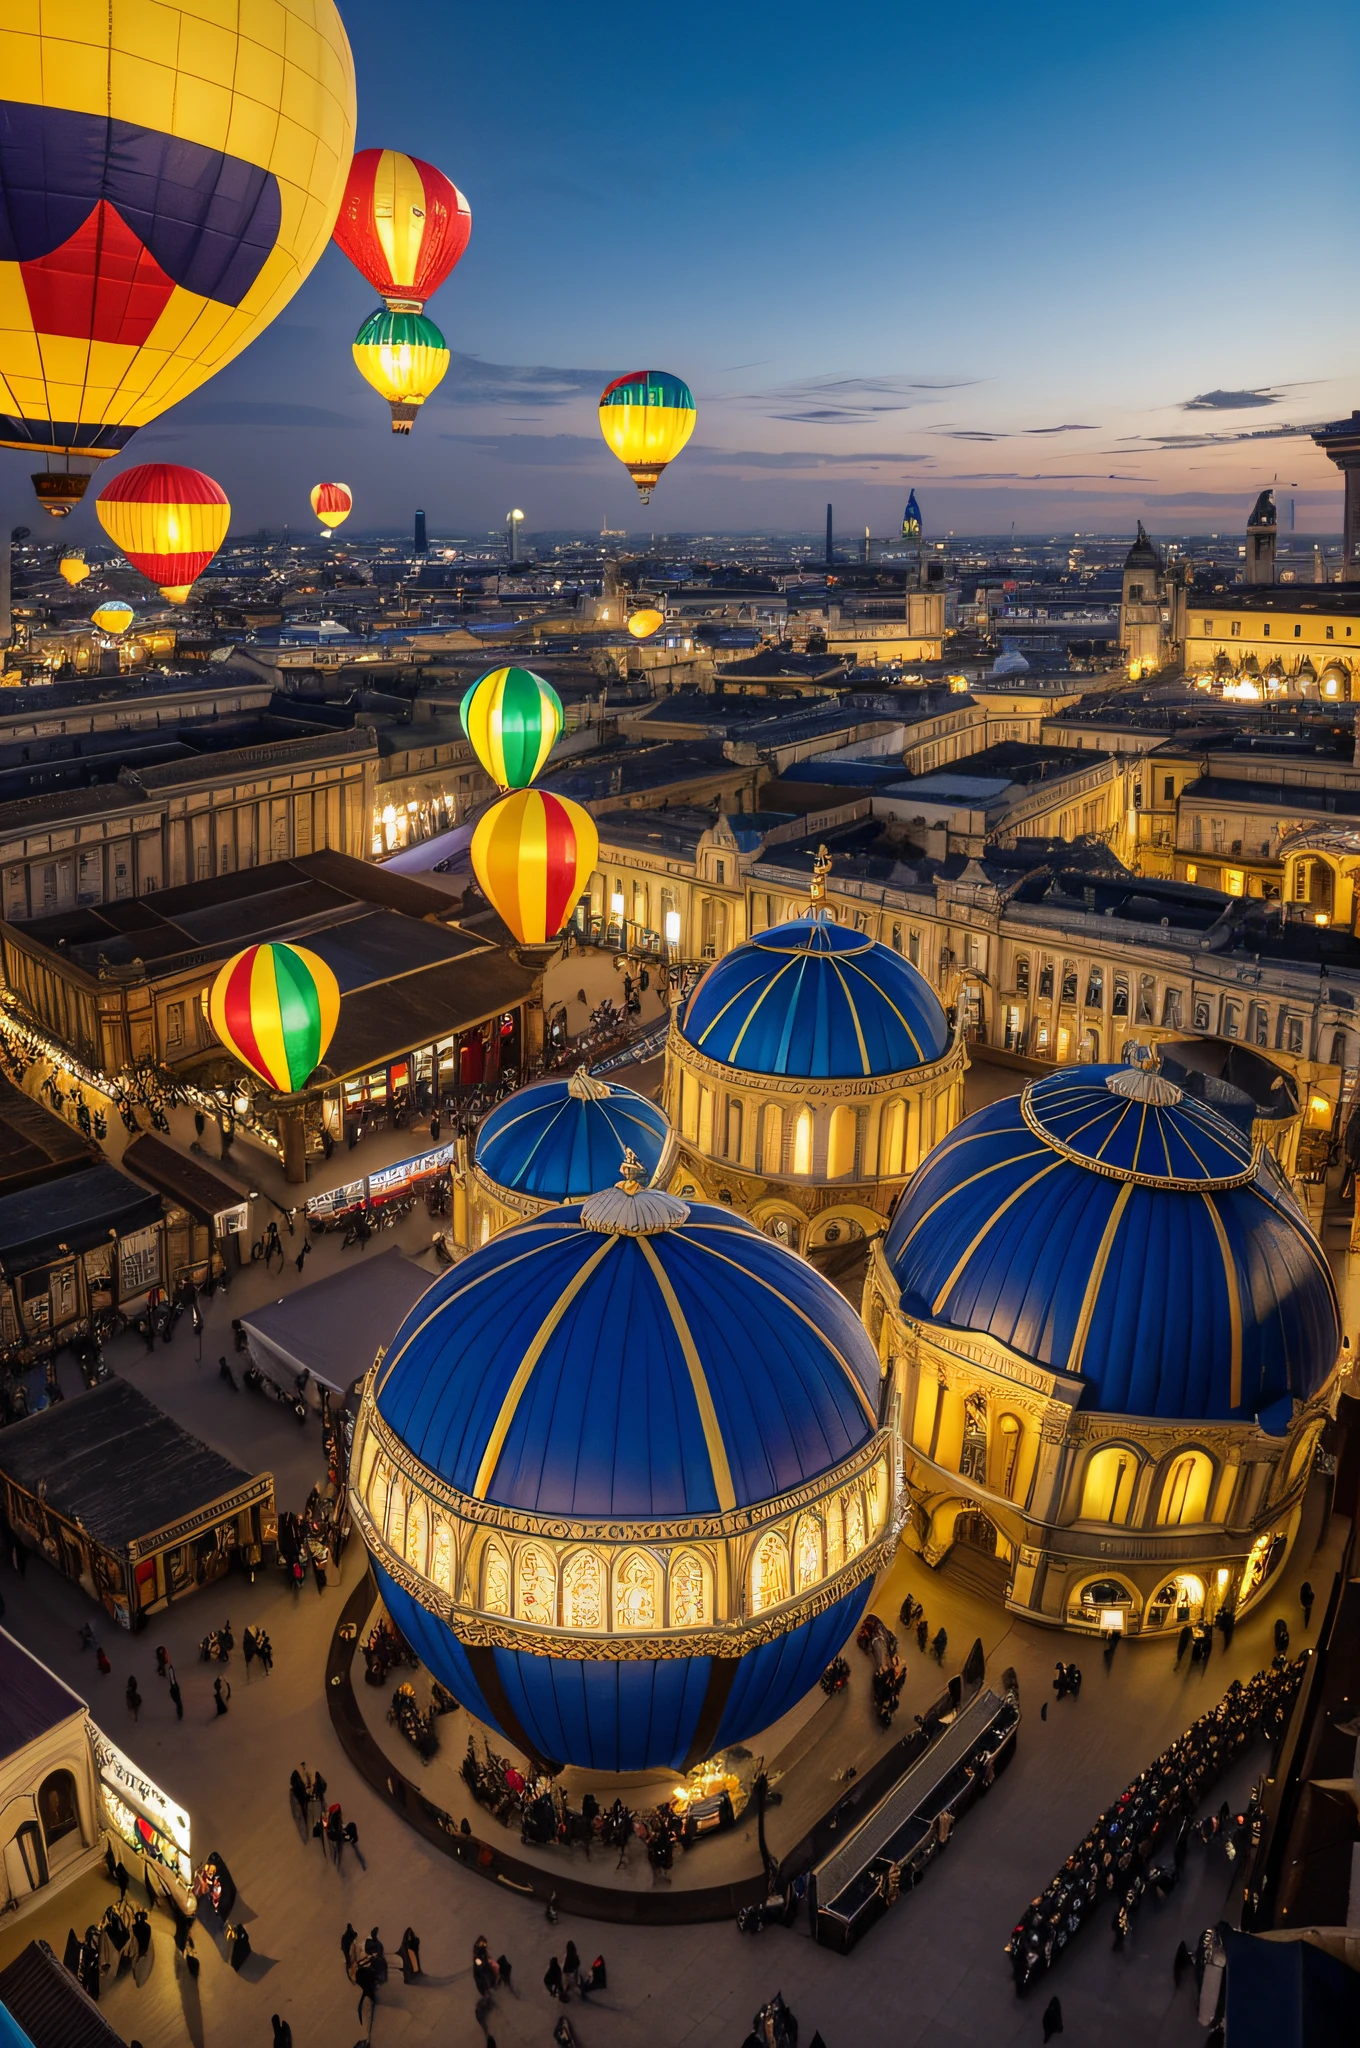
(689, 1591)
(769, 1573)
(495, 1579)
(635, 1592)
(536, 1586)
(808, 1549)
(802, 1142)
(583, 1591)
(854, 1522)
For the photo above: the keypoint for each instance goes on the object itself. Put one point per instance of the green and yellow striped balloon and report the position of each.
(513, 719)
(276, 1007)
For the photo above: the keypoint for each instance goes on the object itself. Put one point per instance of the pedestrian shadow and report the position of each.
(192, 2006)
(256, 1966)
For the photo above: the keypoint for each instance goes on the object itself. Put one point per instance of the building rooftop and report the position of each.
(35, 1145)
(77, 1212)
(32, 1698)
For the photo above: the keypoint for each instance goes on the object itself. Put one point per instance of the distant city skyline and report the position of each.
(1068, 277)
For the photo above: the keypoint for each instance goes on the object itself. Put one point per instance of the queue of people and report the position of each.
(1117, 1860)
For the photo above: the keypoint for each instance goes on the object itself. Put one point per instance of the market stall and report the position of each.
(333, 1329)
(72, 1248)
(118, 1497)
(206, 1217)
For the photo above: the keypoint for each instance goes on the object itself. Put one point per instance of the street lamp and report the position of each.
(513, 523)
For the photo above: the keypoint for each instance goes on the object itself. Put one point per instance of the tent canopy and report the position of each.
(334, 1328)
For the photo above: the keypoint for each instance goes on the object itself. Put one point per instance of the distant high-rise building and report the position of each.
(422, 543)
(830, 548)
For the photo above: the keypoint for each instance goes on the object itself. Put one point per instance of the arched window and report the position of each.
(835, 1538)
(802, 1141)
(379, 1489)
(892, 1138)
(842, 1143)
(58, 1809)
(689, 1590)
(769, 1573)
(771, 1140)
(706, 1120)
(417, 1529)
(807, 1550)
(636, 1601)
(441, 1556)
(1185, 1495)
(1008, 1455)
(583, 1591)
(536, 1586)
(396, 1517)
(733, 1128)
(854, 1522)
(1107, 1490)
(495, 1579)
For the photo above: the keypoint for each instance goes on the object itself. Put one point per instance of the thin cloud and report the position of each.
(1068, 427)
(1231, 401)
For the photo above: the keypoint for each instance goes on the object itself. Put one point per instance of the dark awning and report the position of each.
(187, 1181)
(51, 2007)
(38, 1225)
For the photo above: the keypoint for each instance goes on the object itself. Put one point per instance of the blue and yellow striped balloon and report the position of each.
(513, 719)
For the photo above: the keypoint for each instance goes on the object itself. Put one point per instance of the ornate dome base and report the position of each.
(626, 1714)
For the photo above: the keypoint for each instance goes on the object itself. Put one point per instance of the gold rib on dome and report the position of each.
(703, 1393)
(394, 1357)
(965, 1257)
(1096, 1278)
(1232, 1281)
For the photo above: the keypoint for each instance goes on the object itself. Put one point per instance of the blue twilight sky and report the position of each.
(1063, 264)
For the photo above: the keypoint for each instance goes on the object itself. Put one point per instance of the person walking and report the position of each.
(120, 1878)
(248, 1647)
(1052, 2018)
(1306, 1603)
(595, 1979)
(347, 1941)
(298, 1797)
(221, 1694)
(162, 1660)
(366, 1977)
(352, 1842)
(134, 1698)
(922, 1632)
(938, 1646)
(240, 1947)
(571, 1972)
(319, 1573)
(283, 2033)
(318, 1791)
(302, 1257)
(101, 1659)
(177, 1697)
(335, 1832)
(265, 1651)
(552, 1979)
(1183, 1641)
(141, 1935)
(408, 1948)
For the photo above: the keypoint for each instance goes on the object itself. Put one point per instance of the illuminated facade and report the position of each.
(585, 1472)
(1112, 1337)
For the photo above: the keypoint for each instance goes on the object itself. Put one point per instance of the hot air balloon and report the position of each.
(73, 568)
(647, 417)
(276, 1007)
(403, 225)
(532, 853)
(168, 521)
(404, 357)
(114, 616)
(168, 178)
(513, 719)
(332, 503)
(642, 624)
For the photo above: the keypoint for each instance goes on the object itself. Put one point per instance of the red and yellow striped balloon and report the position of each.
(169, 521)
(533, 853)
(276, 1007)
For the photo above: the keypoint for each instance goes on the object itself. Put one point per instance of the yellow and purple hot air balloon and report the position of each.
(533, 853)
(513, 719)
(276, 1007)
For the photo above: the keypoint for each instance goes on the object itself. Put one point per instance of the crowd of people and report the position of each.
(1118, 1859)
(544, 1815)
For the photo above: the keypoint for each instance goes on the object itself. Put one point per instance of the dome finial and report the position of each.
(584, 1087)
(821, 868)
(630, 1208)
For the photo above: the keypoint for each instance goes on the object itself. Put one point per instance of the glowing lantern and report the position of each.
(169, 175)
(168, 521)
(73, 569)
(513, 719)
(332, 503)
(404, 357)
(532, 853)
(644, 623)
(403, 225)
(276, 1007)
(647, 417)
(114, 617)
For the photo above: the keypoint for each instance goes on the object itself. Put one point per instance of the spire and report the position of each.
(584, 1087)
(631, 1209)
(821, 868)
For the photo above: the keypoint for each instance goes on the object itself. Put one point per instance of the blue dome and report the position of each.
(1110, 1227)
(627, 1382)
(815, 1000)
(568, 1372)
(562, 1139)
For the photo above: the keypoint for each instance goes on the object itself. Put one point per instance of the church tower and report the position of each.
(1141, 631)
(1261, 531)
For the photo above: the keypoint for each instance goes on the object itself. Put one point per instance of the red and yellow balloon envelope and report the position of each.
(169, 174)
(403, 225)
(533, 853)
(646, 418)
(332, 504)
(513, 719)
(168, 521)
(276, 1007)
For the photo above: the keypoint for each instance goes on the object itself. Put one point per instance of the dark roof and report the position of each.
(36, 1146)
(1290, 797)
(51, 2007)
(187, 1181)
(1327, 598)
(378, 1022)
(775, 664)
(116, 1463)
(78, 1211)
(32, 1698)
